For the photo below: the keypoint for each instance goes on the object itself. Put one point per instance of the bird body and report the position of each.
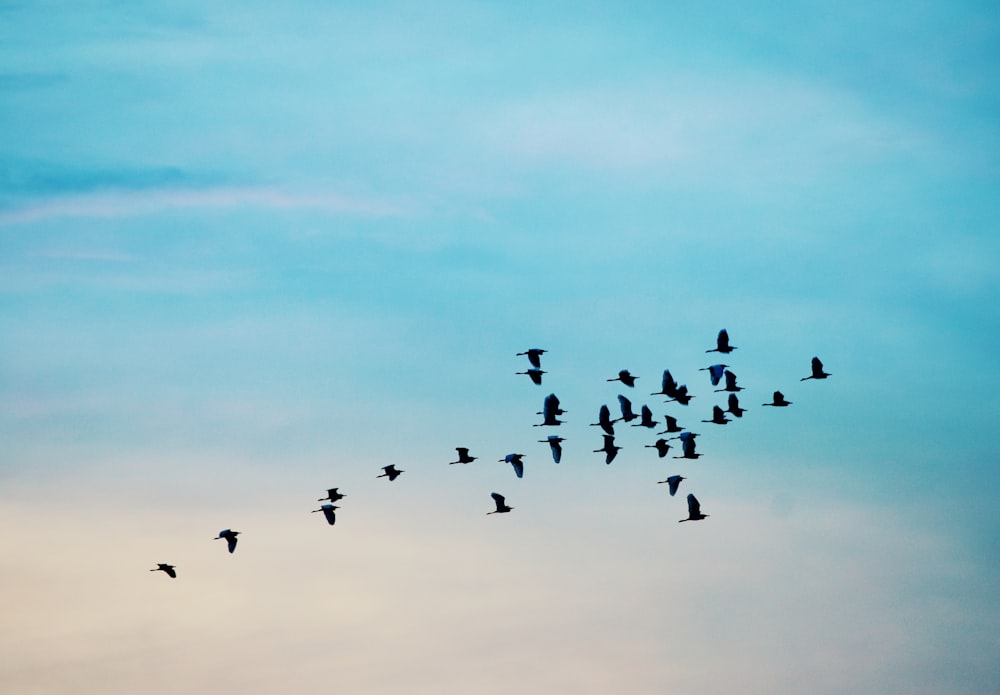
(817, 371)
(165, 568)
(673, 482)
(694, 510)
(230, 538)
(391, 472)
(328, 512)
(463, 455)
(625, 377)
(501, 503)
(779, 400)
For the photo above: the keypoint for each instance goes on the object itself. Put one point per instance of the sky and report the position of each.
(250, 251)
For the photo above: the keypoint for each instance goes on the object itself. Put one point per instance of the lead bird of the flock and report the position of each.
(501, 503)
(555, 445)
(779, 400)
(463, 455)
(625, 377)
(328, 512)
(391, 472)
(230, 538)
(534, 356)
(817, 371)
(694, 510)
(673, 482)
(722, 343)
(165, 568)
(609, 449)
(333, 494)
(516, 461)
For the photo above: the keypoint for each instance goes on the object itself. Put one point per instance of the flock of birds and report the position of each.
(552, 410)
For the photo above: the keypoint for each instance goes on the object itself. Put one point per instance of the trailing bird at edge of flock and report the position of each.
(501, 503)
(165, 568)
(328, 512)
(817, 371)
(694, 510)
(229, 536)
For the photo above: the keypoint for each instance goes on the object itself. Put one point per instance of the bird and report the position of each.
(730, 383)
(672, 426)
(687, 448)
(625, 377)
(722, 343)
(817, 371)
(714, 372)
(685, 436)
(534, 356)
(681, 395)
(779, 400)
(168, 569)
(550, 409)
(661, 447)
(534, 374)
(230, 537)
(694, 510)
(501, 503)
(646, 418)
(604, 420)
(674, 482)
(626, 406)
(463, 456)
(332, 494)
(327, 509)
(609, 449)
(734, 406)
(516, 462)
(718, 416)
(555, 444)
(668, 385)
(390, 472)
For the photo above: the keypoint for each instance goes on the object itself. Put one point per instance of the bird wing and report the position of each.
(330, 514)
(674, 482)
(694, 508)
(498, 499)
(518, 467)
(231, 541)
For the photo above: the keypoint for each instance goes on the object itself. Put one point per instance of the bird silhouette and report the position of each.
(681, 395)
(817, 371)
(779, 400)
(715, 372)
(730, 383)
(328, 512)
(534, 356)
(463, 456)
(661, 447)
(168, 569)
(332, 494)
(515, 461)
(672, 426)
(604, 420)
(550, 409)
(722, 343)
(674, 482)
(688, 447)
(718, 416)
(625, 377)
(501, 503)
(645, 418)
(555, 444)
(694, 510)
(609, 449)
(229, 536)
(668, 386)
(734, 406)
(626, 406)
(534, 374)
(390, 472)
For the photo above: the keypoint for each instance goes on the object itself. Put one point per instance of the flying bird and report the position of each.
(609, 449)
(661, 447)
(604, 420)
(515, 461)
(687, 447)
(715, 372)
(674, 482)
(390, 472)
(718, 416)
(722, 343)
(730, 383)
(681, 395)
(817, 371)
(534, 374)
(734, 406)
(501, 503)
(332, 494)
(626, 406)
(463, 456)
(327, 509)
(555, 444)
(779, 400)
(672, 426)
(230, 537)
(646, 418)
(168, 569)
(550, 411)
(625, 377)
(694, 510)
(668, 386)
(534, 356)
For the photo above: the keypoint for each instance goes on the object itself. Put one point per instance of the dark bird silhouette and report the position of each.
(609, 449)
(779, 400)
(390, 472)
(645, 418)
(681, 395)
(501, 503)
(668, 386)
(625, 377)
(555, 444)
(687, 447)
(672, 426)
(550, 409)
(685, 436)
(734, 406)
(515, 461)
(463, 456)
(715, 372)
(694, 510)
(168, 569)
(730, 383)
(817, 371)
(661, 447)
(674, 482)
(604, 420)
(626, 406)
(327, 509)
(230, 537)
(333, 495)
(534, 356)
(722, 343)
(534, 374)
(718, 416)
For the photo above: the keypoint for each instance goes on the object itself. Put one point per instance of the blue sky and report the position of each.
(249, 252)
